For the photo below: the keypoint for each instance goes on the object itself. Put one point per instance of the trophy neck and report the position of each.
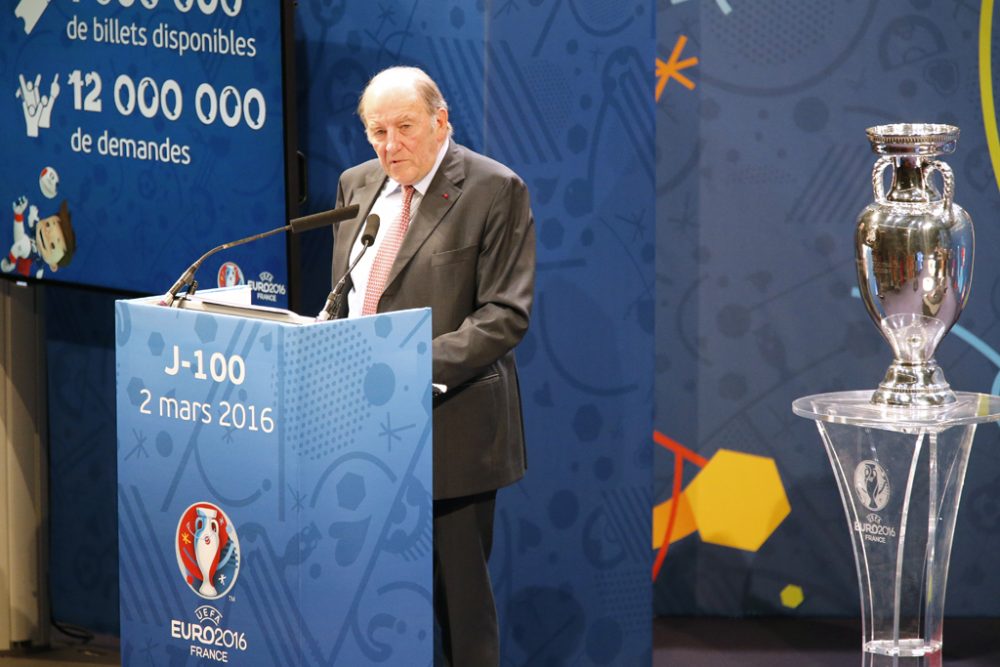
(909, 183)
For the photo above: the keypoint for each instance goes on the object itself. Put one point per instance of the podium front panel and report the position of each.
(274, 489)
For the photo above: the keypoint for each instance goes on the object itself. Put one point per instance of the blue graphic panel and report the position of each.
(142, 134)
(561, 92)
(764, 169)
(274, 489)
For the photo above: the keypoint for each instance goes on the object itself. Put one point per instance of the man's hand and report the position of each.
(19, 205)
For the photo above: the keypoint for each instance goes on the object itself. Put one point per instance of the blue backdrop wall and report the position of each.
(561, 91)
(763, 167)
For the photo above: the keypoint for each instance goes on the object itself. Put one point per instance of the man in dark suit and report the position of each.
(457, 235)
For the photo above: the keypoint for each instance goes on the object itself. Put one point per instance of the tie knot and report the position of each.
(408, 191)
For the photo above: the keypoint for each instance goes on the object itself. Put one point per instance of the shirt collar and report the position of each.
(422, 185)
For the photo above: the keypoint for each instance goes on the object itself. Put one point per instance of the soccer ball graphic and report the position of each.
(48, 182)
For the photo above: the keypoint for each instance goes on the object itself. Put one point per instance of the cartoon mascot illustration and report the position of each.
(44, 242)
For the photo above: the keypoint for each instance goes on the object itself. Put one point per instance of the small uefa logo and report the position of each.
(208, 550)
(872, 485)
(230, 275)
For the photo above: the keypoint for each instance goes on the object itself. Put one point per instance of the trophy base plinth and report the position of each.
(900, 471)
(904, 653)
(914, 385)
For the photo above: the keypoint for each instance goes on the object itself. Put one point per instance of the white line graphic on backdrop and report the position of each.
(30, 11)
(37, 107)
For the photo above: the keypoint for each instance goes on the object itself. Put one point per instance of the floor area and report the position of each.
(796, 642)
(681, 642)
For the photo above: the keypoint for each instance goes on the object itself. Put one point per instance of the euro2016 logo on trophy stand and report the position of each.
(208, 550)
(872, 485)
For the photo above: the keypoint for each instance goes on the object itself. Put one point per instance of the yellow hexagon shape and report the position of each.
(683, 521)
(738, 500)
(792, 596)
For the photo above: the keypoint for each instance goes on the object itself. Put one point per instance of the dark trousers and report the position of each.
(463, 594)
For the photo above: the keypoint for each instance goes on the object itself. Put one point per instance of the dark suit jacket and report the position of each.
(469, 254)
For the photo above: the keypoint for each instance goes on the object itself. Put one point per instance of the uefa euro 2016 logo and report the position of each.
(230, 275)
(208, 550)
(871, 482)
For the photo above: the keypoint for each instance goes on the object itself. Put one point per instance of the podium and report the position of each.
(274, 486)
(900, 471)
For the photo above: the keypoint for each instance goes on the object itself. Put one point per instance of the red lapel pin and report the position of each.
(445, 195)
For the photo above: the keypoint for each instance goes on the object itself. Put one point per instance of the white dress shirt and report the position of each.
(387, 207)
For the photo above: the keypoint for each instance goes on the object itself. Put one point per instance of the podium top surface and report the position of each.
(855, 408)
(234, 301)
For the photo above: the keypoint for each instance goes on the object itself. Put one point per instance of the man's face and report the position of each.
(50, 241)
(405, 136)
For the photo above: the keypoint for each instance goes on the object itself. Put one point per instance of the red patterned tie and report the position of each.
(386, 256)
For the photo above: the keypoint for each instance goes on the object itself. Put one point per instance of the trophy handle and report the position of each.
(946, 175)
(878, 187)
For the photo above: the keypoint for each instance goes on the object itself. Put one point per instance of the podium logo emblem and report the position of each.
(230, 275)
(871, 483)
(208, 550)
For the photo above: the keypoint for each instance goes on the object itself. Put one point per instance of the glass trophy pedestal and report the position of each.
(900, 471)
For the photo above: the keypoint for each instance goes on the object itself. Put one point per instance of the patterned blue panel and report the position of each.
(569, 107)
(762, 170)
(561, 92)
(314, 445)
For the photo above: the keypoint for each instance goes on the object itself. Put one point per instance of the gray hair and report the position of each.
(425, 87)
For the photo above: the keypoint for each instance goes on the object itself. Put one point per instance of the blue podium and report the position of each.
(274, 487)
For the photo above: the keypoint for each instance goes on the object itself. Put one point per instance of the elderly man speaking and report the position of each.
(458, 236)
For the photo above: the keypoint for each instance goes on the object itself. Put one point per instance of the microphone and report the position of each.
(296, 226)
(307, 222)
(336, 297)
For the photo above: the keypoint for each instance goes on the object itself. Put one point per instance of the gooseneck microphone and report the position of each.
(295, 226)
(336, 297)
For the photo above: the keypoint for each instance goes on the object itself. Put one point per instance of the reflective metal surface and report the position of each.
(914, 248)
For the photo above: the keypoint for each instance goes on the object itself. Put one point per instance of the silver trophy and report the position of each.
(914, 247)
(900, 455)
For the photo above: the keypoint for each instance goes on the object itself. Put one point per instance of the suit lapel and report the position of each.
(365, 198)
(441, 195)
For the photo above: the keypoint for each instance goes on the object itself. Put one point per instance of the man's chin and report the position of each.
(402, 175)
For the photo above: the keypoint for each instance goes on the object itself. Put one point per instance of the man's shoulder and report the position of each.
(483, 167)
(360, 173)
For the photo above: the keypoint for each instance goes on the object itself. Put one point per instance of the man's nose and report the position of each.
(390, 141)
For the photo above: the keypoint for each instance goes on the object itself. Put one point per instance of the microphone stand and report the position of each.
(187, 278)
(295, 226)
(336, 297)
